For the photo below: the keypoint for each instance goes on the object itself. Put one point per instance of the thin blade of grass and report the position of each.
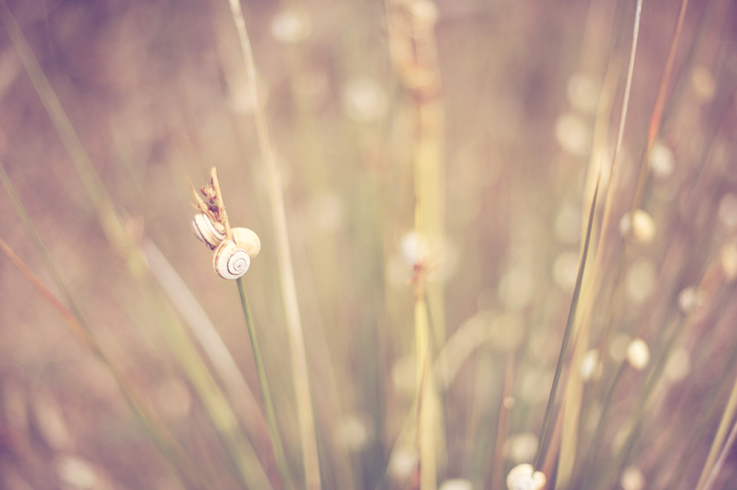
(155, 429)
(305, 411)
(616, 463)
(269, 404)
(566, 336)
(613, 173)
(571, 416)
(102, 203)
(427, 398)
(722, 458)
(582, 327)
(248, 468)
(413, 51)
(717, 443)
(28, 223)
(612, 181)
(657, 114)
(206, 334)
(497, 468)
(208, 337)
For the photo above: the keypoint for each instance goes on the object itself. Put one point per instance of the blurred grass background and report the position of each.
(157, 93)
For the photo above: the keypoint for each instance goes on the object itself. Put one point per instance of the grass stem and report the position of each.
(305, 411)
(711, 460)
(722, 458)
(166, 443)
(244, 462)
(268, 403)
(566, 338)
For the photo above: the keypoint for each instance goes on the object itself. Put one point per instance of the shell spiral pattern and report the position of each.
(206, 230)
(230, 261)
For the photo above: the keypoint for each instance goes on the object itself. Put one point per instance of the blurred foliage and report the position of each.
(157, 93)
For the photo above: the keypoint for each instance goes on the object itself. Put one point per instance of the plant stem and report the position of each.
(305, 412)
(566, 337)
(270, 417)
(722, 457)
(188, 472)
(244, 462)
(709, 465)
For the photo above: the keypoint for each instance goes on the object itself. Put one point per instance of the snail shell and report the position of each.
(230, 261)
(248, 240)
(524, 477)
(208, 231)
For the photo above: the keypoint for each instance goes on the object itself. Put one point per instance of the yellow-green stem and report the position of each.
(566, 338)
(426, 428)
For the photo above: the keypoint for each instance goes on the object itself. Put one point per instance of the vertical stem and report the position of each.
(657, 114)
(244, 462)
(620, 130)
(268, 403)
(305, 412)
(497, 468)
(414, 55)
(566, 338)
(426, 427)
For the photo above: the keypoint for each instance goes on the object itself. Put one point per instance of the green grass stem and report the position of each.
(244, 462)
(245, 404)
(300, 372)
(268, 403)
(544, 430)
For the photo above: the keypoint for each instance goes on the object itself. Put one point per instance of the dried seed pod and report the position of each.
(208, 231)
(248, 240)
(230, 261)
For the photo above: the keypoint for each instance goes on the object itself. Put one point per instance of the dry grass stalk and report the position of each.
(414, 54)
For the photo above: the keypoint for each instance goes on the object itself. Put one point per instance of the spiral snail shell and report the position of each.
(232, 257)
(248, 240)
(208, 231)
(230, 261)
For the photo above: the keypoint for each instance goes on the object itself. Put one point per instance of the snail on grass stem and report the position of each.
(233, 247)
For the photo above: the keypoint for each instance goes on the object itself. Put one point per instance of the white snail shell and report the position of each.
(208, 231)
(524, 477)
(230, 261)
(248, 240)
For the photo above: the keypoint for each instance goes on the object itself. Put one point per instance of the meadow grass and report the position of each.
(499, 245)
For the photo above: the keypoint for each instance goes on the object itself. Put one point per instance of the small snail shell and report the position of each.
(248, 240)
(230, 261)
(206, 230)
(524, 477)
